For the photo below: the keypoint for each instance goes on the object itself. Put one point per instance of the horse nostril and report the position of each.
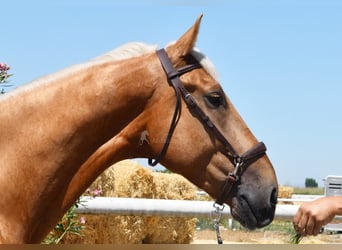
(274, 196)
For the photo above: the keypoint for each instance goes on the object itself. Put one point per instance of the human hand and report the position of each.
(313, 215)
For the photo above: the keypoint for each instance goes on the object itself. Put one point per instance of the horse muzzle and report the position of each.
(254, 210)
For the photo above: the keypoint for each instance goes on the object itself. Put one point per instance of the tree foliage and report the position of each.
(310, 182)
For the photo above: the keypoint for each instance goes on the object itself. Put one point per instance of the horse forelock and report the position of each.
(206, 63)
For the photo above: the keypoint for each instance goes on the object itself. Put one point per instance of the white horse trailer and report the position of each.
(333, 187)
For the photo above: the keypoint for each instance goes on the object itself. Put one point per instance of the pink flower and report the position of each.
(97, 192)
(3, 73)
(82, 220)
(4, 67)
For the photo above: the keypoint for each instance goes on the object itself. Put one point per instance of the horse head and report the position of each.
(194, 151)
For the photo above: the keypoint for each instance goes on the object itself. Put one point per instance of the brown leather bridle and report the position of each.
(240, 162)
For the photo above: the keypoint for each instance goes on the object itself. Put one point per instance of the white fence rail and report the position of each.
(300, 198)
(134, 206)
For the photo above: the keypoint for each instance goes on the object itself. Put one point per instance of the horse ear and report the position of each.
(185, 43)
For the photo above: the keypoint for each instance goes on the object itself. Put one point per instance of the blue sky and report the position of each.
(279, 61)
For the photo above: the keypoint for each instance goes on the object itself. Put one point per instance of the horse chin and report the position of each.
(242, 212)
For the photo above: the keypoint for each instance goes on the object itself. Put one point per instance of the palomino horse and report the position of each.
(59, 133)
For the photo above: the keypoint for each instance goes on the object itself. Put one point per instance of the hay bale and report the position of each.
(132, 180)
(105, 182)
(173, 187)
(172, 229)
(109, 229)
(129, 179)
(285, 192)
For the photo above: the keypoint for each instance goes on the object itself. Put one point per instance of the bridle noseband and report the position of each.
(240, 162)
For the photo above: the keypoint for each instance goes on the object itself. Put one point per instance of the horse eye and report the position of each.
(215, 99)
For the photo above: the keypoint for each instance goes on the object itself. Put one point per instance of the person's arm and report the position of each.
(311, 216)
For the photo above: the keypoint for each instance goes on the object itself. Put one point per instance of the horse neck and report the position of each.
(58, 125)
(81, 110)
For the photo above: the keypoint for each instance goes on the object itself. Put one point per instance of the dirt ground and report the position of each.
(252, 237)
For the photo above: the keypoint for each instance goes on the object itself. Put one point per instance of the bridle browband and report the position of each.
(240, 162)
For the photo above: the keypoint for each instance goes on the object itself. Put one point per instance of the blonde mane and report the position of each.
(126, 51)
(135, 49)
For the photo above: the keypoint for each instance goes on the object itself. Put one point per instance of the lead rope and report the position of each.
(216, 216)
